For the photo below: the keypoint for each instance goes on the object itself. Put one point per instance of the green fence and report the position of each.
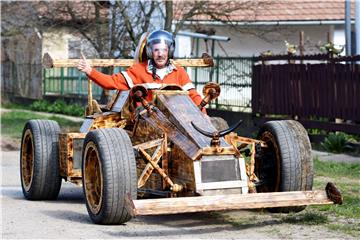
(233, 75)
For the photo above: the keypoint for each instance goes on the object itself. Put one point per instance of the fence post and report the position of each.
(44, 80)
(196, 69)
(217, 63)
(62, 81)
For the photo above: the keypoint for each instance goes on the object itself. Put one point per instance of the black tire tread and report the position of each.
(119, 173)
(295, 153)
(46, 182)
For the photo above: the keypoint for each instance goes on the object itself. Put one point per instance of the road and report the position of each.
(67, 218)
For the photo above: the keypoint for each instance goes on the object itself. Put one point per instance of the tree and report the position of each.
(113, 28)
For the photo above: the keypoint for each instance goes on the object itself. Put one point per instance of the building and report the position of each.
(264, 25)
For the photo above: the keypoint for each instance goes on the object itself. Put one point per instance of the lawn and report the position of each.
(343, 218)
(13, 122)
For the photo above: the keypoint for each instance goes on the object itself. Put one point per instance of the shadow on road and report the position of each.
(71, 216)
(188, 224)
(71, 194)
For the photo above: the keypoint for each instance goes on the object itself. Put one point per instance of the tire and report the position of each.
(286, 165)
(219, 123)
(39, 160)
(109, 175)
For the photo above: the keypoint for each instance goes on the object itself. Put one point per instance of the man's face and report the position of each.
(160, 52)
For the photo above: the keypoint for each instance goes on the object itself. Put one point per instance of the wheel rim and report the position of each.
(272, 164)
(27, 160)
(93, 179)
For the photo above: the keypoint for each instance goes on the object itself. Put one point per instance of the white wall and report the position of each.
(339, 38)
(56, 43)
(251, 41)
(182, 47)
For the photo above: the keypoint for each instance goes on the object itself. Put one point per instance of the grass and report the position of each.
(346, 177)
(307, 218)
(12, 123)
(343, 218)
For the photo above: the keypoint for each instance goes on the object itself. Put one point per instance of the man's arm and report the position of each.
(115, 81)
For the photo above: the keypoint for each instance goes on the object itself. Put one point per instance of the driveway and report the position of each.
(67, 218)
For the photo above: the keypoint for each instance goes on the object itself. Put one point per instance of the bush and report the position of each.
(39, 105)
(336, 142)
(59, 106)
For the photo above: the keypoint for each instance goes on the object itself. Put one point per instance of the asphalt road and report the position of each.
(67, 218)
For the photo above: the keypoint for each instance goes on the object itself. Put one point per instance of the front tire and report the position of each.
(286, 165)
(39, 160)
(109, 175)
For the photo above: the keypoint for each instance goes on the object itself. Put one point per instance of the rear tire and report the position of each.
(109, 175)
(39, 160)
(286, 165)
(219, 123)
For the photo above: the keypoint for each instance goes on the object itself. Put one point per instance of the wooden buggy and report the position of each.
(134, 157)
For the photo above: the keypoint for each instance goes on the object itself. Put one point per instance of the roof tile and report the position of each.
(288, 10)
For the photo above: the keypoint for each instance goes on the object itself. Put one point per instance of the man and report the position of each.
(154, 73)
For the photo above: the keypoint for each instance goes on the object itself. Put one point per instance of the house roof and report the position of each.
(285, 10)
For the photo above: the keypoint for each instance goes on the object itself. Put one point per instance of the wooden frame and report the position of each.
(49, 62)
(69, 154)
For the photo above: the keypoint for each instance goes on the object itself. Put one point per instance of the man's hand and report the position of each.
(84, 66)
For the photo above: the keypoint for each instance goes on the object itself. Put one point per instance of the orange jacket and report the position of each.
(139, 74)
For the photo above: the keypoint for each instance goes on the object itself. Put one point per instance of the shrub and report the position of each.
(336, 142)
(59, 106)
(39, 105)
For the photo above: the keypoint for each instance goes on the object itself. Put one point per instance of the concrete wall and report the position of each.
(251, 41)
(56, 43)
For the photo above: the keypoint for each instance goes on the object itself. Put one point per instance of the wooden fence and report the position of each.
(329, 89)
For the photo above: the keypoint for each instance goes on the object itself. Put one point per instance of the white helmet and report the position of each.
(160, 36)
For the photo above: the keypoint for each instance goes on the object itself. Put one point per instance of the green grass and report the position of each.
(337, 170)
(346, 177)
(12, 123)
(58, 106)
(343, 218)
(306, 218)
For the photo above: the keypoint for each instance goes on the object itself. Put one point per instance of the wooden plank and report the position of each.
(355, 79)
(348, 91)
(49, 62)
(227, 202)
(338, 108)
(255, 89)
(149, 144)
(307, 57)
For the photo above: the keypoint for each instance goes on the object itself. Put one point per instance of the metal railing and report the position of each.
(233, 75)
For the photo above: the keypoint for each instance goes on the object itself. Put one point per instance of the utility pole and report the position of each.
(348, 27)
(357, 26)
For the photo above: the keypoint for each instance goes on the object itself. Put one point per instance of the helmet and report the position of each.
(160, 36)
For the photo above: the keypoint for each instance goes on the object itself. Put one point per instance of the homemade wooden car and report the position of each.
(135, 157)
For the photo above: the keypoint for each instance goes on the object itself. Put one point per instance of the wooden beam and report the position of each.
(149, 144)
(226, 202)
(149, 168)
(49, 62)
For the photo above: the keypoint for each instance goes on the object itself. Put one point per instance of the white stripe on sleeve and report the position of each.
(128, 79)
(188, 86)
